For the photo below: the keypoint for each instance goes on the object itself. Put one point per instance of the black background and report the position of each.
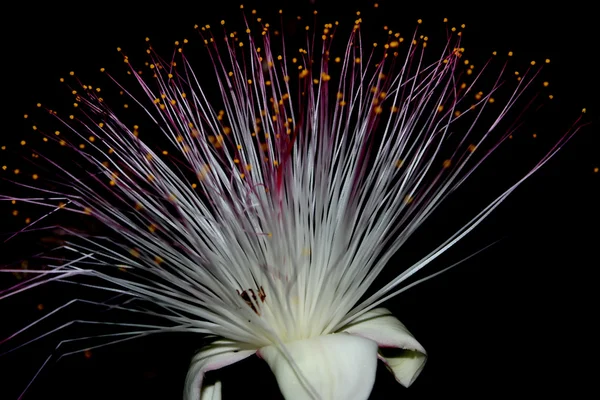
(517, 319)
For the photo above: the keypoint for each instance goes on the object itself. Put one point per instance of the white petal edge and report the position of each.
(211, 392)
(218, 354)
(388, 332)
(337, 366)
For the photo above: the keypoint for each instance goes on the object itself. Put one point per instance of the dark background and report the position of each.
(517, 319)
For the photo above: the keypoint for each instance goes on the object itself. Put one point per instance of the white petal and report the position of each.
(218, 354)
(338, 366)
(390, 334)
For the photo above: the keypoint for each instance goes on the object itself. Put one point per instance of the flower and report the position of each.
(266, 223)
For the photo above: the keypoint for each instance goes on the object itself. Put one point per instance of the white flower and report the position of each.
(265, 224)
